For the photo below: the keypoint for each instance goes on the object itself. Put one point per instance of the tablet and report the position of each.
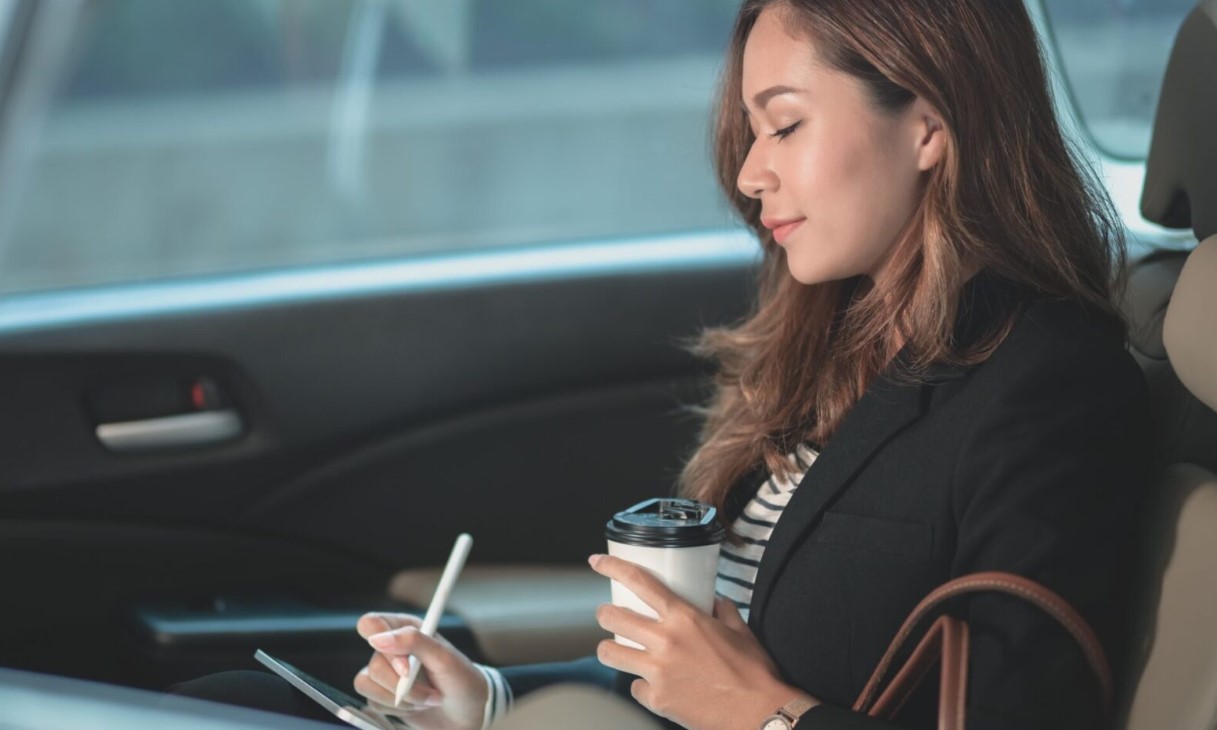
(350, 710)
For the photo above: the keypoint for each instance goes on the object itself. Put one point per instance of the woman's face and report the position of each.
(843, 176)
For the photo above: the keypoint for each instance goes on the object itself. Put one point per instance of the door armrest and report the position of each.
(518, 614)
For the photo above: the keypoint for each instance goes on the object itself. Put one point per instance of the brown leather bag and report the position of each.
(947, 638)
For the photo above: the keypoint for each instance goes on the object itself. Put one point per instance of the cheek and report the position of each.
(856, 198)
(840, 187)
(881, 186)
(893, 196)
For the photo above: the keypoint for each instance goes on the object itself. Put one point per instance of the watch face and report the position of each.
(776, 723)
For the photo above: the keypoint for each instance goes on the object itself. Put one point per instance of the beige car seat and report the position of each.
(1174, 681)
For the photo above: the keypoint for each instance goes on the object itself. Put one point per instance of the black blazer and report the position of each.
(1035, 462)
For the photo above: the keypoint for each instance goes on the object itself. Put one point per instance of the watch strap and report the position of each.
(795, 708)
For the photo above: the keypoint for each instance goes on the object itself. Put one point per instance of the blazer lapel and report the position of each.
(886, 408)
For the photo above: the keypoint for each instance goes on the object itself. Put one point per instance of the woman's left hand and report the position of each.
(701, 671)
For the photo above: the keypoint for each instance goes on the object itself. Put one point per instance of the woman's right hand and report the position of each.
(450, 693)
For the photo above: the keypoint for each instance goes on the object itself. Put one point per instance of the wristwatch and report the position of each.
(788, 714)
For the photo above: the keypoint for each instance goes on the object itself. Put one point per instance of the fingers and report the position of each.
(385, 672)
(381, 672)
(726, 612)
(646, 586)
(378, 681)
(382, 698)
(641, 690)
(435, 654)
(422, 688)
(370, 689)
(630, 625)
(370, 624)
(624, 658)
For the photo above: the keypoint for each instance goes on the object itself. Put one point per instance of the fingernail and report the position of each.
(400, 665)
(594, 559)
(433, 701)
(382, 641)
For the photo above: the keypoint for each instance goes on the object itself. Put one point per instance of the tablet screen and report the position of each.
(352, 710)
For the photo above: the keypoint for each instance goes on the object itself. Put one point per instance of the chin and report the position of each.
(806, 280)
(812, 267)
(809, 274)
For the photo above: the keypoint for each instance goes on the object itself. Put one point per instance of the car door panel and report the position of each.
(377, 425)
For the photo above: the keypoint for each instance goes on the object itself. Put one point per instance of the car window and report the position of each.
(203, 136)
(1114, 55)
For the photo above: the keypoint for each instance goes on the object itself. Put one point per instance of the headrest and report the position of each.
(1181, 172)
(1188, 332)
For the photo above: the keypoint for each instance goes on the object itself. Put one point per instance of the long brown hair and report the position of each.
(1009, 196)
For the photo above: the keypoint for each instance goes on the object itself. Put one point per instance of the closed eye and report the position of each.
(786, 131)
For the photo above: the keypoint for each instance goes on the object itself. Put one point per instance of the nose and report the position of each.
(755, 175)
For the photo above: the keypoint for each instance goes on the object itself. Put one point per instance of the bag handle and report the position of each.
(949, 637)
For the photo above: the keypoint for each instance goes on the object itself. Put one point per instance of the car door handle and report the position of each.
(167, 432)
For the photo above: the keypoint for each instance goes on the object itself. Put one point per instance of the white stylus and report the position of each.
(447, 580)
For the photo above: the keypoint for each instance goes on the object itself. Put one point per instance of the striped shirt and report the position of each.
(500, 700)
(737, 564)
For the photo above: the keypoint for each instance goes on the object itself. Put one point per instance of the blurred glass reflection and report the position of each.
(204, 136)
(1114, 54)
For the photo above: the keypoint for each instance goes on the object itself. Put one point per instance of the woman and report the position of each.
(933, 383)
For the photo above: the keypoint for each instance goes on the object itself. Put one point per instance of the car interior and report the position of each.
(193, 472)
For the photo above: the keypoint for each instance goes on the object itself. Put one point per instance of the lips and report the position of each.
(782, 228)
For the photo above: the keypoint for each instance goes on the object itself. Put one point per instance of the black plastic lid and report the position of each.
(666, 523)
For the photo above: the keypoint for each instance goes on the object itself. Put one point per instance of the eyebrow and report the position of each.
(762, 98)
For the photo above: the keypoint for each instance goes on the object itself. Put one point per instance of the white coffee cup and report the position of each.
(677, 540)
